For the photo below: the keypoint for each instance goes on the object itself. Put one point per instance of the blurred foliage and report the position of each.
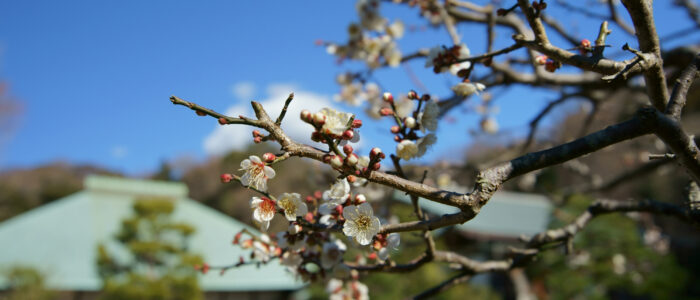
(159, 266)
(25, 283)
(610, 261)
(22, 190)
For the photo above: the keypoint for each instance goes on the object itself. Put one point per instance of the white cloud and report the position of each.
(243, 90)
(237, 137)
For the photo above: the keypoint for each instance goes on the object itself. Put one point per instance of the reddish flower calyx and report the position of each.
(352, 159)
(388, 97)
(347, 149)
(336, 161)
(226, 177)
(305, 116)
(348, 134)
(223, 121)
(395, 129)
(201, 113)
(386, 111)
(412, 95)
(356, 123)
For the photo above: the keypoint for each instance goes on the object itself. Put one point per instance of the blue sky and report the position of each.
(94, 77)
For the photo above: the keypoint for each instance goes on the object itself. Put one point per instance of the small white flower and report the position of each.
(467, 88)
(339, 192)
(429, 116)
(334, 286)
(404, 106)
(463, 53)
(406, 149)
(264, 210)
(360, 223)
(425, 142)
(332, 253)
(336, 122)
(291, 260)
(489, 125)
(292, 205)
(432, 55)
(393, 240)
(256, 173)
(396, 29)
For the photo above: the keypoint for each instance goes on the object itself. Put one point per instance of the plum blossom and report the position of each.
(393, 240)
(467, 88)
(406, 149)
(360, 223)
(332, 253)
(425, 142)
(256, 173)
(264, 210)
(339, 192)
(429, 116)
(336, 122)
(292, 205)
(291, 259)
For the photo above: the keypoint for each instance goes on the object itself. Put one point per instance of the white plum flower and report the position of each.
(264, 210)
(396, 29)
(429, 116)
(292, 205)
(339, 192)
(256, 173)
(393, 240)
(432, 55)
(465, 89)
(336, 122)
(404, 106)
(425, 142)
(406, 149)
(332, 253)
(291, 259)
(462, 53)
(360, 223)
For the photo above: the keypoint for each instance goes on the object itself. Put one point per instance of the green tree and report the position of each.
(159, 264)
(26, 283)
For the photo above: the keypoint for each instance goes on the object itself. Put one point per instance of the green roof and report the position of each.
(507, 214)
(61, 238)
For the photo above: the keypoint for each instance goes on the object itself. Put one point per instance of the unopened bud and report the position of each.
(410, 122)
(226, 177)
(268, 157)
(351, 178)
(256, 133)
(376, 166)
(395, 129)
(305, 116)
(257, 140)
(585, 43)
(319, 119)
(360, 198)
(352, 159)
(541, 59)
(347, 149)
(386, 111)
(412, 95)
(201, 113)
(326, 159)
(348, 134)
(309, 199)
(223, 121)
(388, 97)
(336, 161)
(397, 138)
(374, 152)
(356, 123)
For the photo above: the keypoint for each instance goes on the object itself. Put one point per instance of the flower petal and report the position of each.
(269, 172)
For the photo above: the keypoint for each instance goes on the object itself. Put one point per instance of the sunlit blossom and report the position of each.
(406, 149)
(256, 173)
(467, 88)
(393, 240)
(332, 253)
(336, 122)
(264, 210)
(292, 205)
(338, 192)
(360, 223)
(429, 116)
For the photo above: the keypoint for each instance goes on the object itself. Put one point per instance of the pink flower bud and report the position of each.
(360, 198)
(388, 97)
(319, 119)
(395, 129)
(347, 149)
(256, 133)
(374, 152)
(200, 113)
(410, 122)
(257, 140)
(397, 139)
(386, 111)
(223, 121)
(376, 166)
(309, 217)
(268, 157)
(351, 178)
(305, 116)
(326, 159)
(348, 134)
(356, 123)
(309, 199)
(585, 43)
(412, 95)
(226, 177)
(336, 161)
(352, 159)
(541, 59)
